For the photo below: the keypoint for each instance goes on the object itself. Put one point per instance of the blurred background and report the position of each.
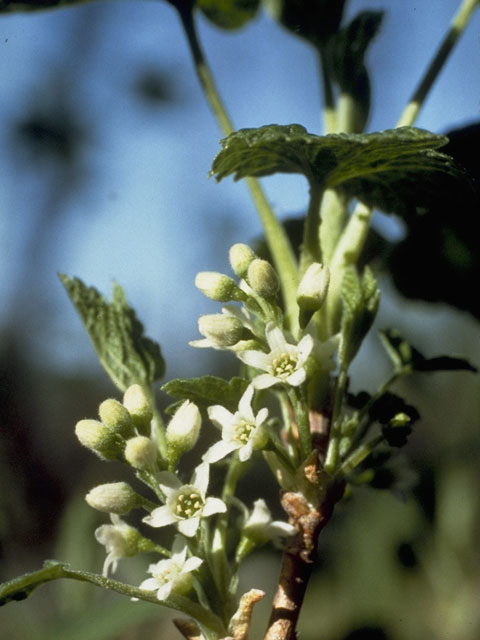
(106, 144)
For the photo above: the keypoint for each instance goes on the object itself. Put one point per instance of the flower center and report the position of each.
(243, 431)
(167, 574)
(189, 504)
(283, 365)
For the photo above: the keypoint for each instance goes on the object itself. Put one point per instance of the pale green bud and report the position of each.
(400, 420)
(313, 287)
(218, 286)
(263, 279)
(240, 258)
(140, 453)
(114, 497)
(116, 417)
(183, 430)
(224, 331)
(136, 401)
(97, 437)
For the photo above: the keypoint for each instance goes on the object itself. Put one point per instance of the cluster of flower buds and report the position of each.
(122, 431)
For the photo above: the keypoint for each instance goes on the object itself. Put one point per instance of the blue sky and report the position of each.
(145, 214)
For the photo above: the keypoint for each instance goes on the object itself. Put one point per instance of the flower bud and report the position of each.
(136, 401)
(224, 331)
(262, 278)
(116, 417)
(313, 287)
(114, 497)
(140, 453)
(97, 437)
(183, 430)
(218, 287)
(240, 258)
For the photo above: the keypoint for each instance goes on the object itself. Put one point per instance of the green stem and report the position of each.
(300, 411)
(310, 245)
(330, 124)
(459, 22)
(277, 240)
(331, 457)
(359, 455)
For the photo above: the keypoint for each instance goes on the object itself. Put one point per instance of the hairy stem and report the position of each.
(277, 240)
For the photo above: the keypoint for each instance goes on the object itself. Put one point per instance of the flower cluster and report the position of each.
(127, 432)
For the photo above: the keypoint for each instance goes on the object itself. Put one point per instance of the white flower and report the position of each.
(261, 527)
(120, 541)
(187, 503)
(285, 362)
(173, 574)
(241, 430)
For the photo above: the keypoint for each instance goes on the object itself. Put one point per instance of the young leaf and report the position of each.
(125, 353)
(208, 390)
(361, 297)
(349, 47)
(316, 21)
(228, 14)
(406, 358)
(397, 171)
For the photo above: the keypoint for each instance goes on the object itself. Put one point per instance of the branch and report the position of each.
(298, 558)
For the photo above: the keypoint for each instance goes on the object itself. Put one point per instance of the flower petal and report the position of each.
(245, 453)
(150, 584)
(245, 404)
(261, 416)
(256, 359)
(213, 505)
(165, 590)
(188, 527)
(191, 564)
(305, 347)
(168, 482)
(279, 528)
(179, 550)
(220, 416)
(219, 450)
(200, 478)
(160, 517)
(264, 380)
(275, 338)
(296, 378)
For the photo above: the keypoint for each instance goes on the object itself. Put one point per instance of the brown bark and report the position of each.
(298, 560)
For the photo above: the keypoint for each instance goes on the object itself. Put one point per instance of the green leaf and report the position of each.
(316, 21)
(349, 47)
(397, 171)
(126, 354)
(229, 14)
(406, 358)
(208, 390)
(361, 297)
